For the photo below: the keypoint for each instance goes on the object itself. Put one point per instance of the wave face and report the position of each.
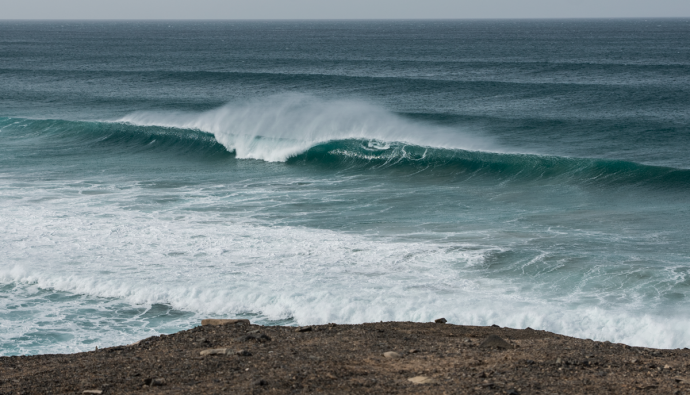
(305, 172)
(461, 165)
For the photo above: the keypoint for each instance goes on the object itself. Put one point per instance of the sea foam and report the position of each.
(209, 264)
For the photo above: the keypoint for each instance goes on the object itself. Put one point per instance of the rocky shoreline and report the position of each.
(233, 356)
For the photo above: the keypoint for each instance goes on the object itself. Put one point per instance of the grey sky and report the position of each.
(331, 9)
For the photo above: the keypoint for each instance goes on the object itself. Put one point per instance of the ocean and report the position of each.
(523, 173)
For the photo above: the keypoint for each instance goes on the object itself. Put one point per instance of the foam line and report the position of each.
(137, 260)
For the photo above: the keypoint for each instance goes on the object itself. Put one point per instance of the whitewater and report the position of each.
(348, 178)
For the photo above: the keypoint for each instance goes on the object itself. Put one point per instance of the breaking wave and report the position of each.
(277, 128)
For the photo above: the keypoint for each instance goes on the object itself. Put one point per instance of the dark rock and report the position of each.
(494, 341)
(244, 353)
(216, 322)
(256, 338)
(155, 382)
(158, 382)
(304, 329)
(440, 320)
(261, 382)
(512, 392)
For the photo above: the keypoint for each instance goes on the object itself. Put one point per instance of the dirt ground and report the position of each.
(426, 358)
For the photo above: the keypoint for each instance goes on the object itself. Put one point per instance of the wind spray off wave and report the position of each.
(279, 127)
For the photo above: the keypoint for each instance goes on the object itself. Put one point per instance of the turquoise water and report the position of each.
(519, 173)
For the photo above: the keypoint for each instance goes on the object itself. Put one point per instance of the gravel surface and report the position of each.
(386, 357)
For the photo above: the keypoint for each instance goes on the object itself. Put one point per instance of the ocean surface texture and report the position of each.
(519, 173)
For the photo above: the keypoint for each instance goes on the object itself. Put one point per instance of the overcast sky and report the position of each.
(343, 9)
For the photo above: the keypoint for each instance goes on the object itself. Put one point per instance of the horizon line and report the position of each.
(338, 19)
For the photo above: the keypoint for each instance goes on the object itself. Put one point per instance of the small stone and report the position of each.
(512, 392)
(92, 392)
(558, 360)
(440, 320)
(304, 329)
(261, 382)
(413, 351)
(392, 354)
(421, 380)
(667, 367)
(494, 341)
(218, 322)
(243, 353)
(495, 326)
(157, 382)
(214, 351)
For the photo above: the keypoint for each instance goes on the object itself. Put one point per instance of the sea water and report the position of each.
(519, 173)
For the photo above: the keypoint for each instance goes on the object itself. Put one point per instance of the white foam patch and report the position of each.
(124, 262)
(279, 127)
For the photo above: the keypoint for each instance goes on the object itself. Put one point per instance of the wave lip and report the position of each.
(277, 128)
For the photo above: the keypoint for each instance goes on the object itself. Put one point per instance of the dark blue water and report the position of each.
(522, 173)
